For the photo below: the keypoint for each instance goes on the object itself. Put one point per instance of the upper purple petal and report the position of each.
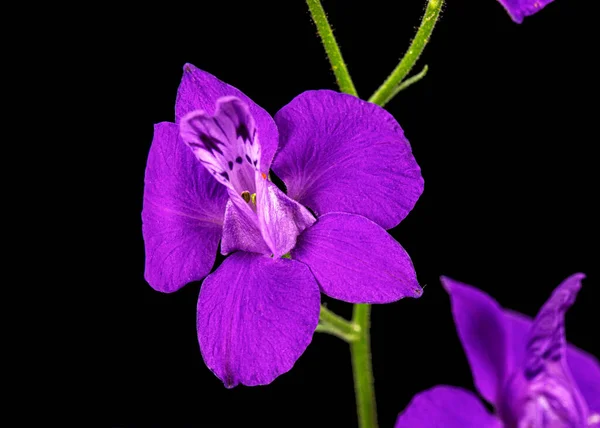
(518, 9)
(281, 219)
(226, 144)
(256, 316)
(200, 90)
(182, 213)
(341, 154)
(480, 325)
(356, 261)
(541, 390)
(447, 407)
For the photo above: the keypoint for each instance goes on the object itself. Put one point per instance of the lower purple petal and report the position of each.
(480, 325)
(519, 9)
(356, 261)
(256, 316)
(447, 407)
(182, 214)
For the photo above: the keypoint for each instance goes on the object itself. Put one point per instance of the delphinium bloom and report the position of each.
(207, 181)
(523, 367)
(519, 9)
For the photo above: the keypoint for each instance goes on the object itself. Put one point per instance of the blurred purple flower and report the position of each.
(524, 368)
(519, 9)
(344, 158)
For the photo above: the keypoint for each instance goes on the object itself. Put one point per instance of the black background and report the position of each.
(500, 127)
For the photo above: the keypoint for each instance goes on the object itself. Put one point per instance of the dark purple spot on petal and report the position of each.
(532, 370)
(248, 159)
(224, 175)
(211, 144)
(255, 162)
(230, 165)
(238, 159)
(242, 131)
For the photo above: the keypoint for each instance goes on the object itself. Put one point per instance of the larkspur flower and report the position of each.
(207, 181)
(524, 368)
(519, 9)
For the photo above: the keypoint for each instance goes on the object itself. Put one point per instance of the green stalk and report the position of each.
(331, 47)
(408, 82)
(385, 91)
(362, 369)
(332, 323)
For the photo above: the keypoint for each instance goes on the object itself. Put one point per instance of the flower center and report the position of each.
(260, 217)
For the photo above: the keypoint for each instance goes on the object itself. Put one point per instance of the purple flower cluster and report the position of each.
(524, 368)
(350, 175)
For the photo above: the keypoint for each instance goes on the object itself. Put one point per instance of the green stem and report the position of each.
(362, 368)
(334, 324)
(331, 47)
(383, 94)
(408, 82)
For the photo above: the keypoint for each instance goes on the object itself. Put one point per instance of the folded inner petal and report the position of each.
(226, 144)
(182, 213)
(200, 90)
(356, 260)
(281, 219)
(482, 331)
(447, 407)
(341, 154)
(584, 367)
(542, 388)
(256, 316)
(241, 232)
(519, 9)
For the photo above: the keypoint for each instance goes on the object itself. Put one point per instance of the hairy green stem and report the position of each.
(331, 47)
(362, 368)
(385, 91)
(408, 82)
(332, 323)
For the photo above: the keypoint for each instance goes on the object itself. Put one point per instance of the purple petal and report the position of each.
(182, 214)
(240, 232)
(480, 325)
(226, 144)
(256, 316)
(448, 407)
(542, 392)
(200, 90)
(518, 9)
(546, 342)
(341, 154)
(585, 371)
(357, 261)
(582, 368)
(281, 219)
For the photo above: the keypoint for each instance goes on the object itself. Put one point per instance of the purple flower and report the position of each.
(519, 9)
(524, 368)
(207, 181)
